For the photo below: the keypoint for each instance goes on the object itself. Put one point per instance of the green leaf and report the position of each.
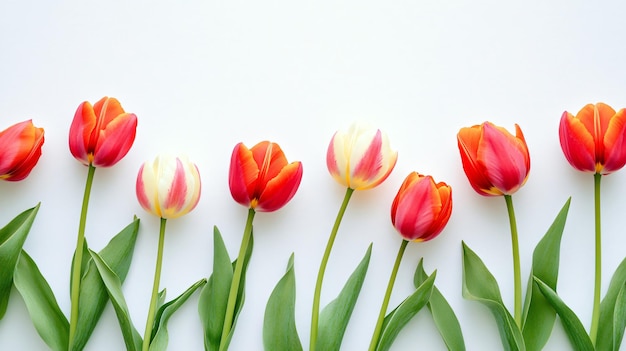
(480, 285)
(93, 296)
(573, 327)
(159, 334)
(113, 285)
(619, 318)
(539, 316)
(609, 324)
(12, 238)
(42, 306)
(214, 295)
(443, 315)
(335, 316)
(401, 315)
(279, 322)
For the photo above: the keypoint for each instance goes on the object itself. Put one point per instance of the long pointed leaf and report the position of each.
(12, 238)
(336, 315)
(608, 322)
(400, 316)
(214, 295)
(539, 316)
(93, 296)
(480, 285)
(113, 285)
(573, 327)
(619, 318)
(160, 337)
(279, 323)
(443, 315)
(42, 306)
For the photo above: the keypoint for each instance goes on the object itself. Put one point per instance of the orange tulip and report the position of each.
(21, 148)
(102, 134)
(422, 208)
(595, 139)
(495, 162)
(260, 178)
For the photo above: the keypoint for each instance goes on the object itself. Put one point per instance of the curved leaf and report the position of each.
(159, 334)
(480, 285)
(619, 318)
(401, 315)
(214, 295)
(609, 324)
(93, 296)
(573, 327)
(279, 323)
(443, 315)
(12, 238)
(336, 315)
(539, 316)
(113, 285)
(42, 306)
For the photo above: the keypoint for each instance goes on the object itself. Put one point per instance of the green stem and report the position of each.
(595, 316)
(383, 308)
(78, 255)
(155, 289)
(234, 286)
(315, 315)
(517, 276)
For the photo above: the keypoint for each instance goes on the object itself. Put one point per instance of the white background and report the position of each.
(203, 76)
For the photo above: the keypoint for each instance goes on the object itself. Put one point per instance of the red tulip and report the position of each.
(595, 139)
(260, 178)
(495, 162)
(422, 208)
(21, 148)
(102, 134)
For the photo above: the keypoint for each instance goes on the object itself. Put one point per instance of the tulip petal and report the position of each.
(417, 208)
(82, 126)
(338, 166)
(577, 143)
(115, 140)
(615, 143)
(468, 141)
(279, 190)
(505, 158)
(21, 148)
(270, 160)
(242, 177)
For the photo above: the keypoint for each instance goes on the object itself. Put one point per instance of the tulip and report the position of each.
(102, 134)
(421, 208)
(595, 139)
(261, 178)
(495, 162)
(21, 148)
(419, 212)
(360, 158)
(168, 187)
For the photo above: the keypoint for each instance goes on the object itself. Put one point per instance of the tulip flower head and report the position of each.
(595, 139)
(360, 158)
(168, 187)
(261, 178)
(21, 148)
(422, 208)
(495, 161)
(102, 134)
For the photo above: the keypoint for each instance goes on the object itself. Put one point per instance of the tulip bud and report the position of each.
(495, 162)
(168, 187)
(360, 158)
(261, 178)
(102, 134)
(595, 139)
(422, 208)
(21, 148)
